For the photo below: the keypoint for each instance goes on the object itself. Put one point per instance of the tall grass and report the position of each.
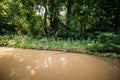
(42, 43)
(82, 46)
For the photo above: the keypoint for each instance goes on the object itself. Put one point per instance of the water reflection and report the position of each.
(32, 72)
(28, 67)
(26, 64)
(45, 63)
(63, 60)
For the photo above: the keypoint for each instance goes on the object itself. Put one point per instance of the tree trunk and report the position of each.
(45, 19)
(69, 5)
(117, 21)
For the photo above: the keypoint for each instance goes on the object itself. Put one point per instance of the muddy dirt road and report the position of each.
(28, 64)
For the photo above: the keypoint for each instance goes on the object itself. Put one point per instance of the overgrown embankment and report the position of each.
(102, 47)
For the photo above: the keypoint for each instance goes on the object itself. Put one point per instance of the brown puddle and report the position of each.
(28, 64)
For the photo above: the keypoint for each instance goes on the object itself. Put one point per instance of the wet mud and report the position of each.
(28, 64)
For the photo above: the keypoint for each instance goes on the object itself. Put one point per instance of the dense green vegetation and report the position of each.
(71, 25)
(68, 45)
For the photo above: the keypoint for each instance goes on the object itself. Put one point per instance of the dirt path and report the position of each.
(29, 64)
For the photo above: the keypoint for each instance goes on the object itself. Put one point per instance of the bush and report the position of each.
(109, 38)
(104, 42)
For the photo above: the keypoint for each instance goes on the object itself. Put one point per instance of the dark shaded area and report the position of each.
(7, 29)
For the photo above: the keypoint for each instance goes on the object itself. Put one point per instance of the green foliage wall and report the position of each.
(80, 19)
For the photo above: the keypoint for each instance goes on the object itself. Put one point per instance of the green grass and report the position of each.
(81, 46)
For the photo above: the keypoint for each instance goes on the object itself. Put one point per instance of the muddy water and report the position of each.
(27, 64)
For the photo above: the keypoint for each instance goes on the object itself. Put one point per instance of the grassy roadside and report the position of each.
(81, 46)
